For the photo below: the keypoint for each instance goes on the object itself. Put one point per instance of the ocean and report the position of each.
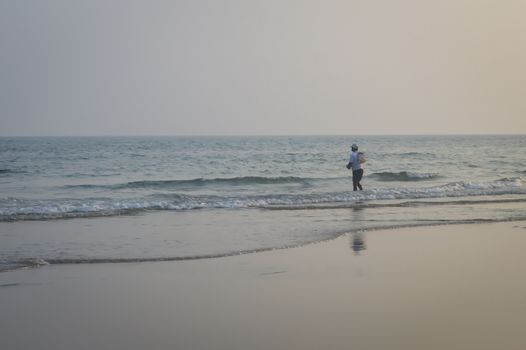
(123, 199)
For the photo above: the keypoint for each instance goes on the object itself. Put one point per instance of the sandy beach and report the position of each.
(262, 175)
(440, 287)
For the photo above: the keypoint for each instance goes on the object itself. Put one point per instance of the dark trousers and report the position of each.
(356, 178)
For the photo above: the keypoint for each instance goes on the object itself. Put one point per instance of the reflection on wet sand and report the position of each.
(357, 243)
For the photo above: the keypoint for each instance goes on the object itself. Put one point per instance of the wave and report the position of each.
(174, 184)
(5, 171)
(403, 176)
(14, 209)
(81, 175)
(406, 155)
(420, 155)
(404, 204)
(234, 181)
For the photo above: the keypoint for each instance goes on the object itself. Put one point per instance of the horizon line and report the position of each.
(266, 135)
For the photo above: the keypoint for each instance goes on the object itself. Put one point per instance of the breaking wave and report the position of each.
(14, 209)
(403, 176)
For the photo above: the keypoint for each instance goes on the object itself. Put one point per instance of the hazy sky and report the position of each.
(103, 67)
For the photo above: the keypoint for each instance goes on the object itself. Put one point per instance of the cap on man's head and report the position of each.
(354, 147)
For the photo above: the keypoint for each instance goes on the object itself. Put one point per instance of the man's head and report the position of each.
(354, 147)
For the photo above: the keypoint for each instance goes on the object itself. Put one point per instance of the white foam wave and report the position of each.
(403, 176)
(23, 209)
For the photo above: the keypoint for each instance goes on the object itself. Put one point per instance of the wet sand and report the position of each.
(442, 287)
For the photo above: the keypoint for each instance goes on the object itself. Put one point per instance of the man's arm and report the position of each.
(349, 165)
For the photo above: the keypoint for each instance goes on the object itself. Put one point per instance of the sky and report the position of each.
(230, 67)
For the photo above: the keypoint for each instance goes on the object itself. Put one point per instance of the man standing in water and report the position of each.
(356, 164)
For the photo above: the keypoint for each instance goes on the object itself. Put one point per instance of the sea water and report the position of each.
(228, 195)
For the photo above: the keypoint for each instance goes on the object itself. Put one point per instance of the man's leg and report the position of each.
(359, 178)
(355, 180)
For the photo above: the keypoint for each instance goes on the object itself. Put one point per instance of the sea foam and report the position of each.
(12, 209)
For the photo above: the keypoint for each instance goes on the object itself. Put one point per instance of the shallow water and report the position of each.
(214, 196)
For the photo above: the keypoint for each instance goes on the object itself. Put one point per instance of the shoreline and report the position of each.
(433, 287)
(165, 221)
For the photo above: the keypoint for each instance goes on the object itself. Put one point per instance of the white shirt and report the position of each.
(355, 160)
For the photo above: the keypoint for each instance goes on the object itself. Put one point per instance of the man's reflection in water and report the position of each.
(357, 239)
(357, 243)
